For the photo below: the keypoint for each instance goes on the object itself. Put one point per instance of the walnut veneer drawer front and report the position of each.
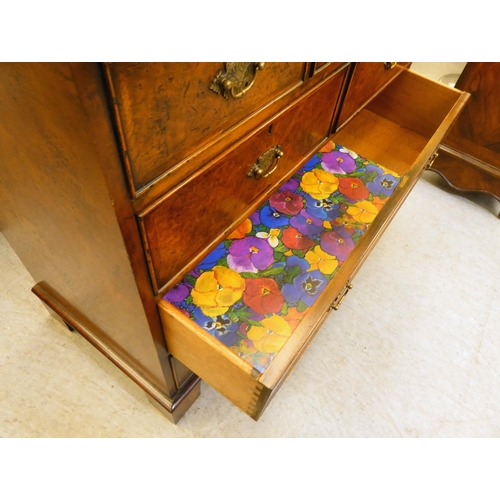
(167, 111)
(367, 78)
(190, 220)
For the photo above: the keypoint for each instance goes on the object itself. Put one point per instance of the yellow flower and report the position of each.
(363, 211)
(271, 336)
(217, 290)
(244, 349)
(318, 259)
(319, 184)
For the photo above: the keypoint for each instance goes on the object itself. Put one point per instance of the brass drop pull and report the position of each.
(267, 163)
(431, 160)
(338, 301)
(237, 80)
(389, 65)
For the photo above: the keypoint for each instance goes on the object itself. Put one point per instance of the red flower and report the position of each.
(296, 241)
(263, 295)
(353, 188)
(287, 202)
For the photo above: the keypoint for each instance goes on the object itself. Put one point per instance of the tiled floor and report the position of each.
(414, 350)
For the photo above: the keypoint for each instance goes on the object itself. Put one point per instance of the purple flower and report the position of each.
(383, 184)
(336, 162)
(250, 254)
(220, 327)
(291, 185)
(306, 287)
(336, 244)
(322, 209)
(177, 294)
(307, 224)
(272, 218)
(255, 218)
(211, 259)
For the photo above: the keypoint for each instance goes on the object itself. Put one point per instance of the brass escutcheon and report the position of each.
(389, 65)
(237, 80)
(267, 163)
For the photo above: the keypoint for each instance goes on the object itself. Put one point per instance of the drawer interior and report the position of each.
(386, 134)
(411, 113)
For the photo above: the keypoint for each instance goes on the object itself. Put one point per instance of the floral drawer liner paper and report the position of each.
(255, 287)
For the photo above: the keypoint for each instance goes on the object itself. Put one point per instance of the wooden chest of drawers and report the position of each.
(117, 179)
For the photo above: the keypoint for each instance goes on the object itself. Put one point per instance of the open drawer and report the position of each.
(242, 318)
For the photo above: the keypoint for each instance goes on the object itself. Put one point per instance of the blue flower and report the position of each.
(294, 260)
(322, 209)
(211, 259)
(272, 218)
(374, 168)
(383, 184)
(306, 287)
(312, 163)
(220, 327)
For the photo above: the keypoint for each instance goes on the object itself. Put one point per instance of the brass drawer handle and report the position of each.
(389, 65)
(267, 163)
(431, 160)
(237, 80)
(338, 301)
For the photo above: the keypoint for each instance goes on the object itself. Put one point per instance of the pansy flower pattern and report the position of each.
(253, 290)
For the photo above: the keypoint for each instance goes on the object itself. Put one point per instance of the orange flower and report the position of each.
(378, 202)
(294, 317)
(241, 231)
(329, 146)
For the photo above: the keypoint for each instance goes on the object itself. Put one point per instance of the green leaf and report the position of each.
(302, 306)
(273, 271)
(248, 275)
(243, 313)
(299, 253)
(253, 323)
(284, 309)
(190, 279)
(370, 176)
(233, 316)
(189, 299)
(356, 237)
(382, 196)
(293, 272)
(281, 248)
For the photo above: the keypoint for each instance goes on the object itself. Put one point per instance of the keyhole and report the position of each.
(270, 131)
